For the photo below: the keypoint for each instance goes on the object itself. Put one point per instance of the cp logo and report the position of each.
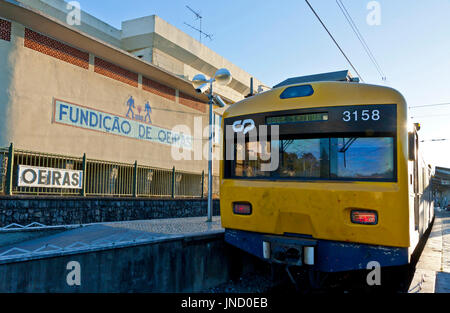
(240, 126)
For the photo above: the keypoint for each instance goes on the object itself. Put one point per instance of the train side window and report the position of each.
(411, 147)
(424, 180)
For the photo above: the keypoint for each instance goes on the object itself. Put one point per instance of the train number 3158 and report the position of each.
(363, 115)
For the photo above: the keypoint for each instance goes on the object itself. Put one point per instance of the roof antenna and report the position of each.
(198, 17)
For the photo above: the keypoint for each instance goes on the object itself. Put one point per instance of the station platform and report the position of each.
(160, 255)
(73, 239)
(432, 273)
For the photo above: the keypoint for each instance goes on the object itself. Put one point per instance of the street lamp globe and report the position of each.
(199, 80)
(223, 76)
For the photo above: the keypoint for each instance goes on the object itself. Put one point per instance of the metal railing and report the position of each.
(188, 185)
(154, 182)
(102, 178)
(31, 158)
(3, 168)
(109, 178)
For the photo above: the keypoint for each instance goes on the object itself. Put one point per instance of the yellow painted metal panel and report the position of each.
(322, 208)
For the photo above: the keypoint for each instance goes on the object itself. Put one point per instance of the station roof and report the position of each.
(442, 177)
(442, 172)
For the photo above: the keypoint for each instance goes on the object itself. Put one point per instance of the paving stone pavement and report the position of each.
(100, 235)
(443, 277)
(171, 226)
(432, 273)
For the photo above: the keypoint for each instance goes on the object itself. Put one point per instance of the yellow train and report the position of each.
(325, 174)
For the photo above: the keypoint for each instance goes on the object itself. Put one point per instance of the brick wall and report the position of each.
(158, 89)
(66, 53)
(192, 102)
(56, 49)
(5, 30)
(115, 72)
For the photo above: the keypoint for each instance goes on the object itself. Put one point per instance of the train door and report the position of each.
(414, 156)
(425, 198)
(430, 197)
(418, 188)
(422, 200)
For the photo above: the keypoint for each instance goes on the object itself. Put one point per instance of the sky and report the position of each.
(275, 40)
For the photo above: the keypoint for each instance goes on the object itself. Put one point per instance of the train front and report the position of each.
(317, 174)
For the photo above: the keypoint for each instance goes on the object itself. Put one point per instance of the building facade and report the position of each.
(441, 186)
(114, 95)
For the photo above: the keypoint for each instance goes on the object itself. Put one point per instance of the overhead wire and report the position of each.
(429, 105)
(427, 116)
(435, 140)
(334, 40)
(360, 38)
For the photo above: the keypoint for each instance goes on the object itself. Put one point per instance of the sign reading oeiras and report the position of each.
(83, 117)
(33, 176)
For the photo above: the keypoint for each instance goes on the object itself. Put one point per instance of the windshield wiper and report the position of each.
(348, 144)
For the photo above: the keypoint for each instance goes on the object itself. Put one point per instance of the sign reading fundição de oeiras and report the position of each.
(32, 176)
(82, 117)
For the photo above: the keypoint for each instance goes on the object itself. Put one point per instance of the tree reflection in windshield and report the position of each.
(324, 158)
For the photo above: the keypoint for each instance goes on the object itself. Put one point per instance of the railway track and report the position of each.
(393, 280)
(276, 279)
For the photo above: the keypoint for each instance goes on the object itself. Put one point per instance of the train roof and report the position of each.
(325, 93)
(342, 76)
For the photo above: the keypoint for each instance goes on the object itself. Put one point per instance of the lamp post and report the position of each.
(202, 85)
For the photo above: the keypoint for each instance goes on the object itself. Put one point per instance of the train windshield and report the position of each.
(352, 158)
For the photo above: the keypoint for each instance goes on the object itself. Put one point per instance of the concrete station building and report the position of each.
(114, 94)
(441, 185)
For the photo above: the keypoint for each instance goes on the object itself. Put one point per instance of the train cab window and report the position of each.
(354, 158)
(250, 157)
(304, 158)
(367, 158)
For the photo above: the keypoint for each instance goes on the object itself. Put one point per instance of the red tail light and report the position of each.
(364, 217)
(242, 208)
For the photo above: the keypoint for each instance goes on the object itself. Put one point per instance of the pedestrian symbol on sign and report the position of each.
(131, 106)
(148, 110)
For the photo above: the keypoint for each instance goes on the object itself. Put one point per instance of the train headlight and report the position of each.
(364, 217)
(242, 208)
